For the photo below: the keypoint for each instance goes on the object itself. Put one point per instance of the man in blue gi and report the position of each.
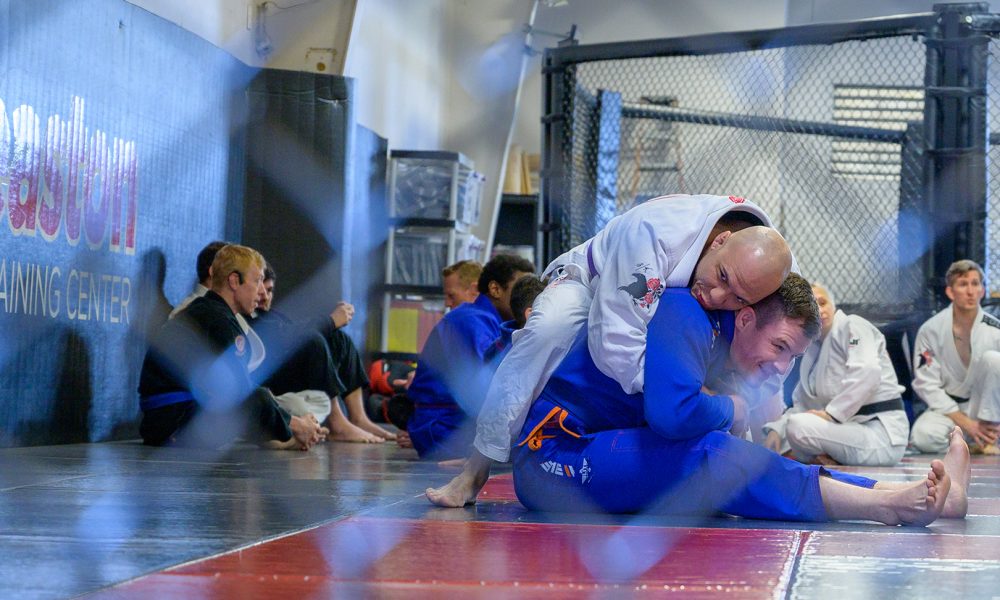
(589, 446)
(445, 397)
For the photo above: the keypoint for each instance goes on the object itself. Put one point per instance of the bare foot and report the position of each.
(959, 467)
(922, 502)
(306, 431)
(460, 491)
(403, 439)
(451, 463)
(291, 444)
(342, 430)
(363, 422)
(345, 431)
(464, 488)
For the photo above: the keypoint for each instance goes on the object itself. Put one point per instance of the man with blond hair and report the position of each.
(957, 367)
(461, 282)
(194, 386)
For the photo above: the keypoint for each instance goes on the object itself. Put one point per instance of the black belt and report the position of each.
(957, 399)
(884, 406)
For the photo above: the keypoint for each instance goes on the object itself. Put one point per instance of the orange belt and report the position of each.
(537, 435)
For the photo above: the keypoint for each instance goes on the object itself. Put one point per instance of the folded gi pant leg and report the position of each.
(863, 444)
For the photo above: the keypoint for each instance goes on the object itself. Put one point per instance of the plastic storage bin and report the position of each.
(434, 185)
(418, 254)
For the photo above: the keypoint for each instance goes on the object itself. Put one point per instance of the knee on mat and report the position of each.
(800, 430)
(923, 439)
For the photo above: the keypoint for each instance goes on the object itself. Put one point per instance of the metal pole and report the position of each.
(956, 134)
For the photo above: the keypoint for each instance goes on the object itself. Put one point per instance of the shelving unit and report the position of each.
(433, 200)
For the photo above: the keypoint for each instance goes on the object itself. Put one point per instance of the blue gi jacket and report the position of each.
(445, 390)
(686, 347)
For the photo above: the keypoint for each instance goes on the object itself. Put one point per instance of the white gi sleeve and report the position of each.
(862, 375)
(626, 293)
(927, 381)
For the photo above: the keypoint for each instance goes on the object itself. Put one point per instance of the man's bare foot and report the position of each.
(403, 439)
(364, 423)
(291, 444)
(919, 503)
(306, 431)
(959, 467)
(465, 487)
(460, 491)
(343, 430)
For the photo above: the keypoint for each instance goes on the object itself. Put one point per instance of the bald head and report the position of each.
(741, 268)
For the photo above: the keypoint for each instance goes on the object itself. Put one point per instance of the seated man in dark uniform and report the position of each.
(194, 387)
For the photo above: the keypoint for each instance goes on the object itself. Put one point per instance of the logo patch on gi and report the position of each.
(551, 466)
(991, 321)
(644, 292)
(854, 341)
(241, 345)
(737, 200)
(926, 358)
(585, 472)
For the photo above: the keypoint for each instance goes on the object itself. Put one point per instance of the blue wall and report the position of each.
(121, 155)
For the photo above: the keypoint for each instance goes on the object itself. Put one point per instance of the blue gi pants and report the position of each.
(566, 469)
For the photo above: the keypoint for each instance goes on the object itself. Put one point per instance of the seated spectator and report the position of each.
(203, 269)
(957, 368)
(846, 408)
(303, 352)
(461, 282)
(195, 387)
(444, 393)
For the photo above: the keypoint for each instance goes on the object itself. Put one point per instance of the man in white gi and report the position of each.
(846, 408)
(957, 367)
(723, 247)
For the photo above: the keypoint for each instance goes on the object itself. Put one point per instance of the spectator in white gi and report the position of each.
(721, 247)
(846, 408)
(957, 367)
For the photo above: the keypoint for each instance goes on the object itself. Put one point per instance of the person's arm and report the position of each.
(863, 372)
(678, 352)
(626, 296)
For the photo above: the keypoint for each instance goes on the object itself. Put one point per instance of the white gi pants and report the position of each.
(300, 404)
(930, 431)
(557, 315)
(860, 444)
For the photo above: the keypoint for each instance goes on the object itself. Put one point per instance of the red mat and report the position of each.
(386, 557)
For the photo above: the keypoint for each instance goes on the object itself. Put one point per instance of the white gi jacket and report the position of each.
(612, 282)
(849, 369)
(653, 246)
(938, 371)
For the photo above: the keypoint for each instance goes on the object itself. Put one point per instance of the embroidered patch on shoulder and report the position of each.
(737, 200)
(644, 292)
(854, 341)
(241, 345)
(990, 320)
(926, 358)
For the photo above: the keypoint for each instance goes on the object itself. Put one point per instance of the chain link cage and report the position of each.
(825, 137)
